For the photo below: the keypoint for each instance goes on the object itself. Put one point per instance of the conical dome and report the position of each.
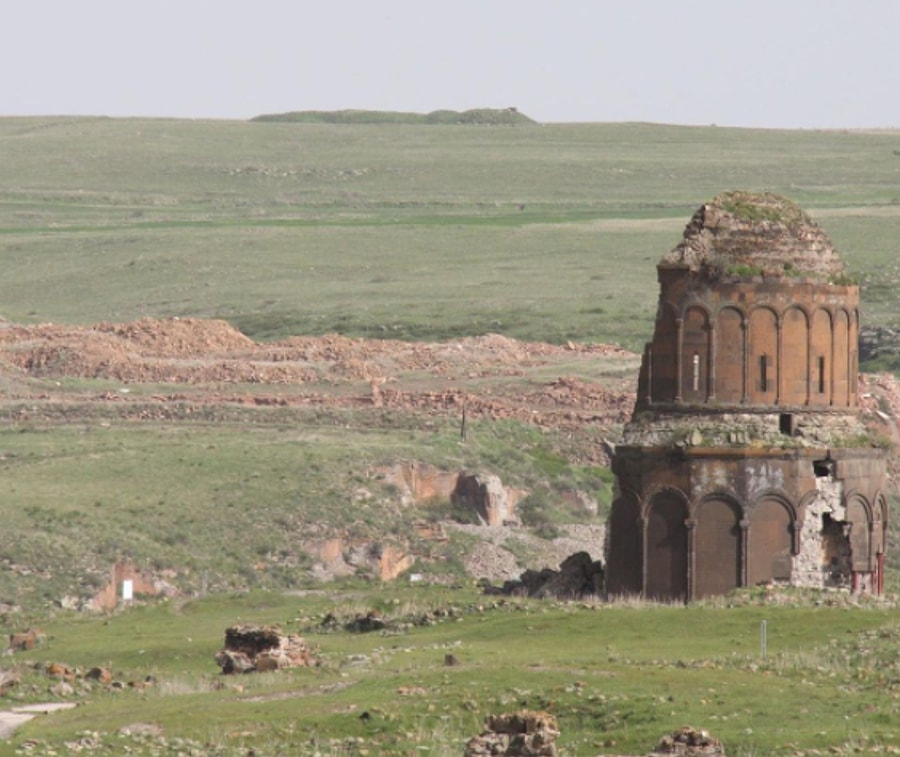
(742, 233)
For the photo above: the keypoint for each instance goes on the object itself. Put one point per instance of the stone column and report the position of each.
(642, 524)
(779, 356)
(744, 525)
(679, 357)
(745, 352)
(690, 525)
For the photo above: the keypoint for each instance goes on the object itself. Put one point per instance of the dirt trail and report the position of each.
(10, 720)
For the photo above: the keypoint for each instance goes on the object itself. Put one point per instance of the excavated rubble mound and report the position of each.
(493, 376)
(742, 233)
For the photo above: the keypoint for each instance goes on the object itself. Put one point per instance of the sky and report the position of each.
(765, 63)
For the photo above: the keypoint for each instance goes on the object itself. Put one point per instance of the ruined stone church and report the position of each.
(746, 460)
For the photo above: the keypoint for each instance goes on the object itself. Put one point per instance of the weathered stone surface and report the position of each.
(520, 734)
(99, 674)
(22, 641)
(689, 742)
(251, 648)
(578, 576)
(747, 460)
(485, 494)
(742, 232)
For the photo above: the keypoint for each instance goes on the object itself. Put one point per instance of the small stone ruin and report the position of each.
(520, 734)
(250, 648)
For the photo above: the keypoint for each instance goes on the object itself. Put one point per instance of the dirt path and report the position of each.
(10, 720)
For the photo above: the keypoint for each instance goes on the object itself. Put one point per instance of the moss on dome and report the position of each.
(741, 234)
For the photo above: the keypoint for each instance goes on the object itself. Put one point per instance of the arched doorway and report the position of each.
(666, 578)
(717, 548)
(769, 543)
(624, 556)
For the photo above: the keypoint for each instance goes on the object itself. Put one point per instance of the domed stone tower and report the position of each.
(746, 461)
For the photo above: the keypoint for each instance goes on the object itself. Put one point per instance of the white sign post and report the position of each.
(127, 590)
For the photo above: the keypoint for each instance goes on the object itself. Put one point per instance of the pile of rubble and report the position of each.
(519, 734)
(578, 576)
(689, 742)
(533, 734)
(251, 648)
(489, 376)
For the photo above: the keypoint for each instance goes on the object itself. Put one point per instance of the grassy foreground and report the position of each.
(617, 676)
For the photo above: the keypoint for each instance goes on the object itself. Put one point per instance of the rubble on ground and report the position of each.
(689, 742)
(578, 576)
(250, 648)
(520, 734)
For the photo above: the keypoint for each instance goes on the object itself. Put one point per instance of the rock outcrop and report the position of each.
(485, 495)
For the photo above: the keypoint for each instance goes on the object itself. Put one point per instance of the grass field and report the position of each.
(426, 232)
(541, 232)
(617, 677)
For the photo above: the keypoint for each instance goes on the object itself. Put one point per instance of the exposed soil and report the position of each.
(207, 362)
(187, 368)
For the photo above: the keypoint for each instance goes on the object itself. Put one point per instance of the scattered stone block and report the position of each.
(26, 640)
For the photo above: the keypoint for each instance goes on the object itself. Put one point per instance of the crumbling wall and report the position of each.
(823, 558)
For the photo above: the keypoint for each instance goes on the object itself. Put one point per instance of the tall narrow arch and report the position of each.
(860, 521)
(695, 355)
(667, 547)
(821, 358)
(730, 355)
(763, 369)
(795, 357)
(717, 547)
(624, 553)
(842, 366)
(769, 542)
(662, 358)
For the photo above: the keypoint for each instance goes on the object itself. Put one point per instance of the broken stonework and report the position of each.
(820, 560)
(251, 648)
(492, 502)
(578, 576)
(689, 742)
(520, 734)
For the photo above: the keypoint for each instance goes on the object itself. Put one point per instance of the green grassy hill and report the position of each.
(476, 116)
(426, 231)
(548, 232)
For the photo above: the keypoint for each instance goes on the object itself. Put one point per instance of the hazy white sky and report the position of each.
(772, 63)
